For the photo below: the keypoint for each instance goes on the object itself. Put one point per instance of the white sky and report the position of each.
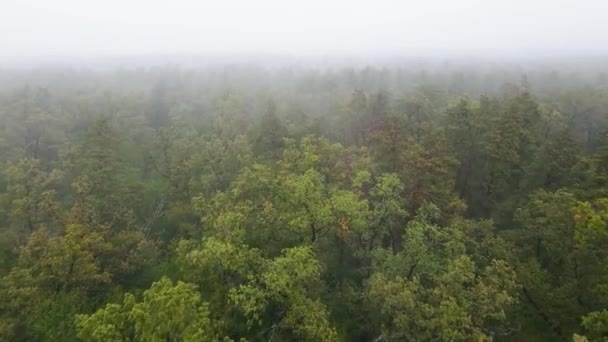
(123, 27)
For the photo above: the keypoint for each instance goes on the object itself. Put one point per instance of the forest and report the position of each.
(410, 201)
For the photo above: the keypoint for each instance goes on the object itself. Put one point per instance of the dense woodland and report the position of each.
(416, 202)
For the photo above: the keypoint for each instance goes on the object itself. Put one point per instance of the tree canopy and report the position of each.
(290, 204)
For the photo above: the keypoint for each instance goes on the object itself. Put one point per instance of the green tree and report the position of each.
(167, 313)
(560, 265)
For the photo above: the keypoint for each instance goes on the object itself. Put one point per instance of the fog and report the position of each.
(34, 30)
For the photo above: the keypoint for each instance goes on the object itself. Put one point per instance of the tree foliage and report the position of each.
(288, 204)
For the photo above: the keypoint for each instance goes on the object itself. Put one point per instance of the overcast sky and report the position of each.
(307, 27)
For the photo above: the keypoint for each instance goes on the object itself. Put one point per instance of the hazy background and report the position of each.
(33, 30)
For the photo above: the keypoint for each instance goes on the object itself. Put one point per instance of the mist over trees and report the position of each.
(444, 200)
